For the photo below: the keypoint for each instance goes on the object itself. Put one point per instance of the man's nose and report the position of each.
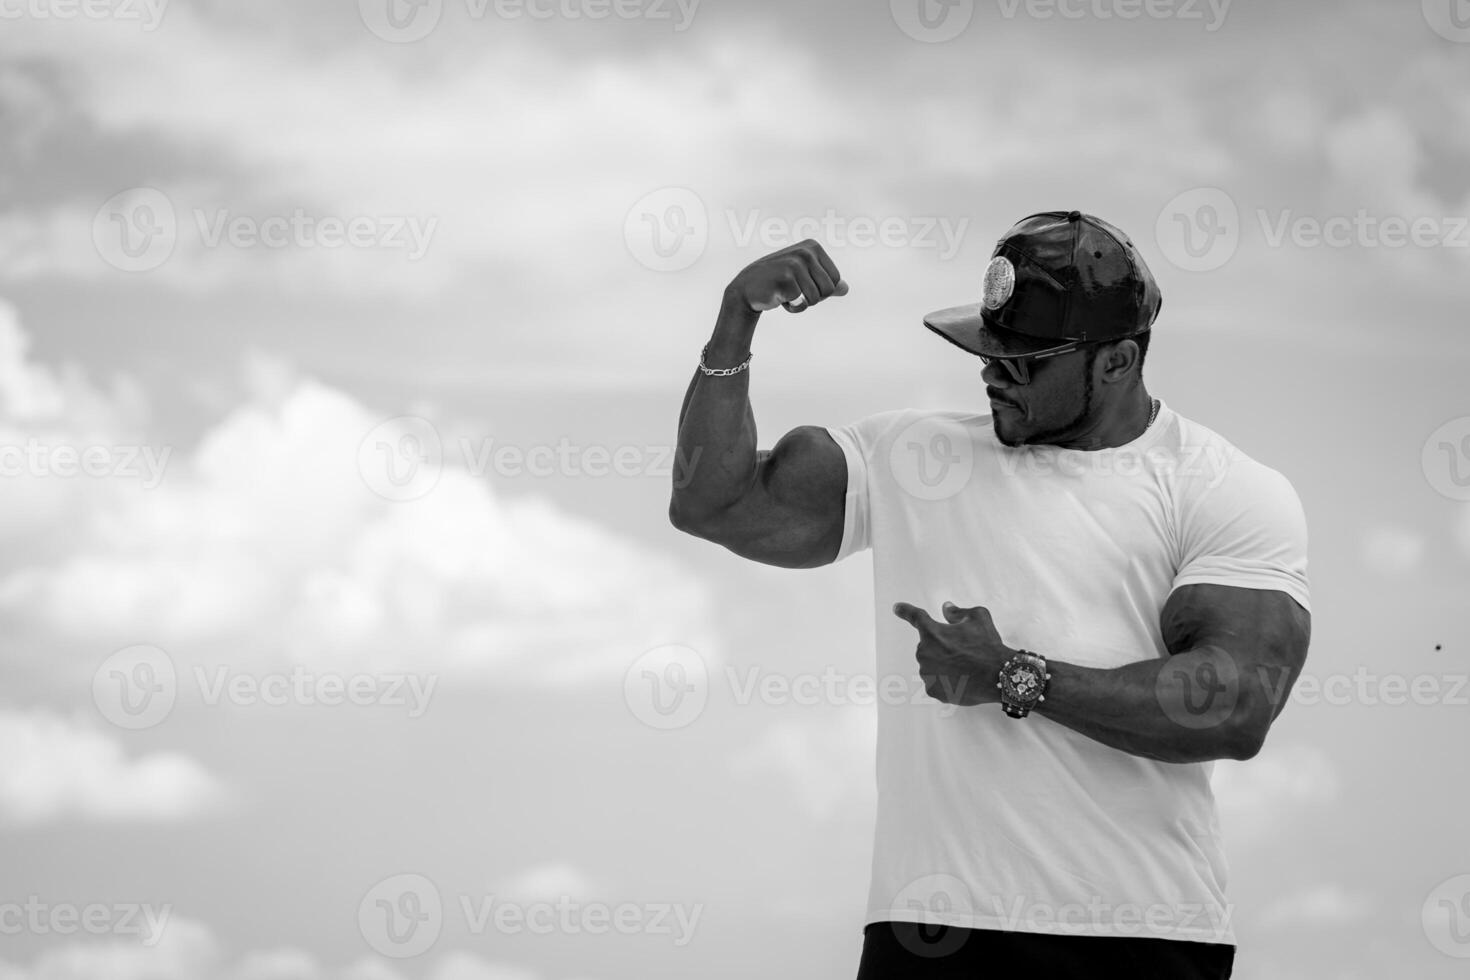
(996, 376)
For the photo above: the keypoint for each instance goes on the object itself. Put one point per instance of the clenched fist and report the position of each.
(795, 278)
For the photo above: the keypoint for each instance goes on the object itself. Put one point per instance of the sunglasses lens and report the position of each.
(1016, 369)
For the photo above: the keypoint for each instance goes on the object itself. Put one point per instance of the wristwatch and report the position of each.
(1022, 683)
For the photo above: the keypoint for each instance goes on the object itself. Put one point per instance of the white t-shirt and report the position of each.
(990, 822)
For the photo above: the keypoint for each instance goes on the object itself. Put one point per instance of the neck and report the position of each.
(1118, 428)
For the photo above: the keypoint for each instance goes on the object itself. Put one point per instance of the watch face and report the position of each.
(1021, 682)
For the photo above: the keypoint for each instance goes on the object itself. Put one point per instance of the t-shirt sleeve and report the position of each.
(859, 441)
(1248, 531)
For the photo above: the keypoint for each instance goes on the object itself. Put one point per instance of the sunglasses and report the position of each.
(1019, 367)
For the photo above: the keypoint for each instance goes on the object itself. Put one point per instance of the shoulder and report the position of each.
(1206, 461)
(895, 418)
(903, 424)
(1215, 480)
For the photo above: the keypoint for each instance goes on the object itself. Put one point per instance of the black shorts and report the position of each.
(911, 951)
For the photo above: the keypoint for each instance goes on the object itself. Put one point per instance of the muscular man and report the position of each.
(1102, 597)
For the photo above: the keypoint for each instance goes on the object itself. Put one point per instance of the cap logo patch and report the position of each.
(1000, 282)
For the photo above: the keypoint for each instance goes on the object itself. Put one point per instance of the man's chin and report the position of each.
(1004, 433)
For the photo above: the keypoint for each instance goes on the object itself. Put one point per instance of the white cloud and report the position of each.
(1461, 528)
(53, 767)
(497, 151)
(466, 966)
(186, 951)
(1326, 904)
(1375, 151)
(825, 759)
(1292, 121)
(1259, 794)
(1392, 550)
(189, 950)
(546, 882)
(43, 411)
(269, 544)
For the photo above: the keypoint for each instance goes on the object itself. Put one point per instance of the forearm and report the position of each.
(716, 452)
(1131, 709)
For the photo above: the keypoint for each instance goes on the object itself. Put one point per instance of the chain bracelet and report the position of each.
(722, 372)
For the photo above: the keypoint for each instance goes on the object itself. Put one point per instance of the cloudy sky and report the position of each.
(341, 350)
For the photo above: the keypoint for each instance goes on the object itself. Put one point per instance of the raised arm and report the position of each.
(782, 506)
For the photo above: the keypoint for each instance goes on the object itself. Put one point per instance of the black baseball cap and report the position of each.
(1055, 278)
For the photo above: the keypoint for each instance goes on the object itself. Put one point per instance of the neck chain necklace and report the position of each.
(1153, 414)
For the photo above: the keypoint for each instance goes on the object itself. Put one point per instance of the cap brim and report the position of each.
(965, 327)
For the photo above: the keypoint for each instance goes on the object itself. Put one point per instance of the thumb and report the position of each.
(954, 614)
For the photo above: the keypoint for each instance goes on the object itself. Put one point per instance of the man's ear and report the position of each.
(1118, 359)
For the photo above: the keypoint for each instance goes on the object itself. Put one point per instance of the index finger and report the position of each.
(914, 616)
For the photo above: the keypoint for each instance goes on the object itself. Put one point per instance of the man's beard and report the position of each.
(1049, 436)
